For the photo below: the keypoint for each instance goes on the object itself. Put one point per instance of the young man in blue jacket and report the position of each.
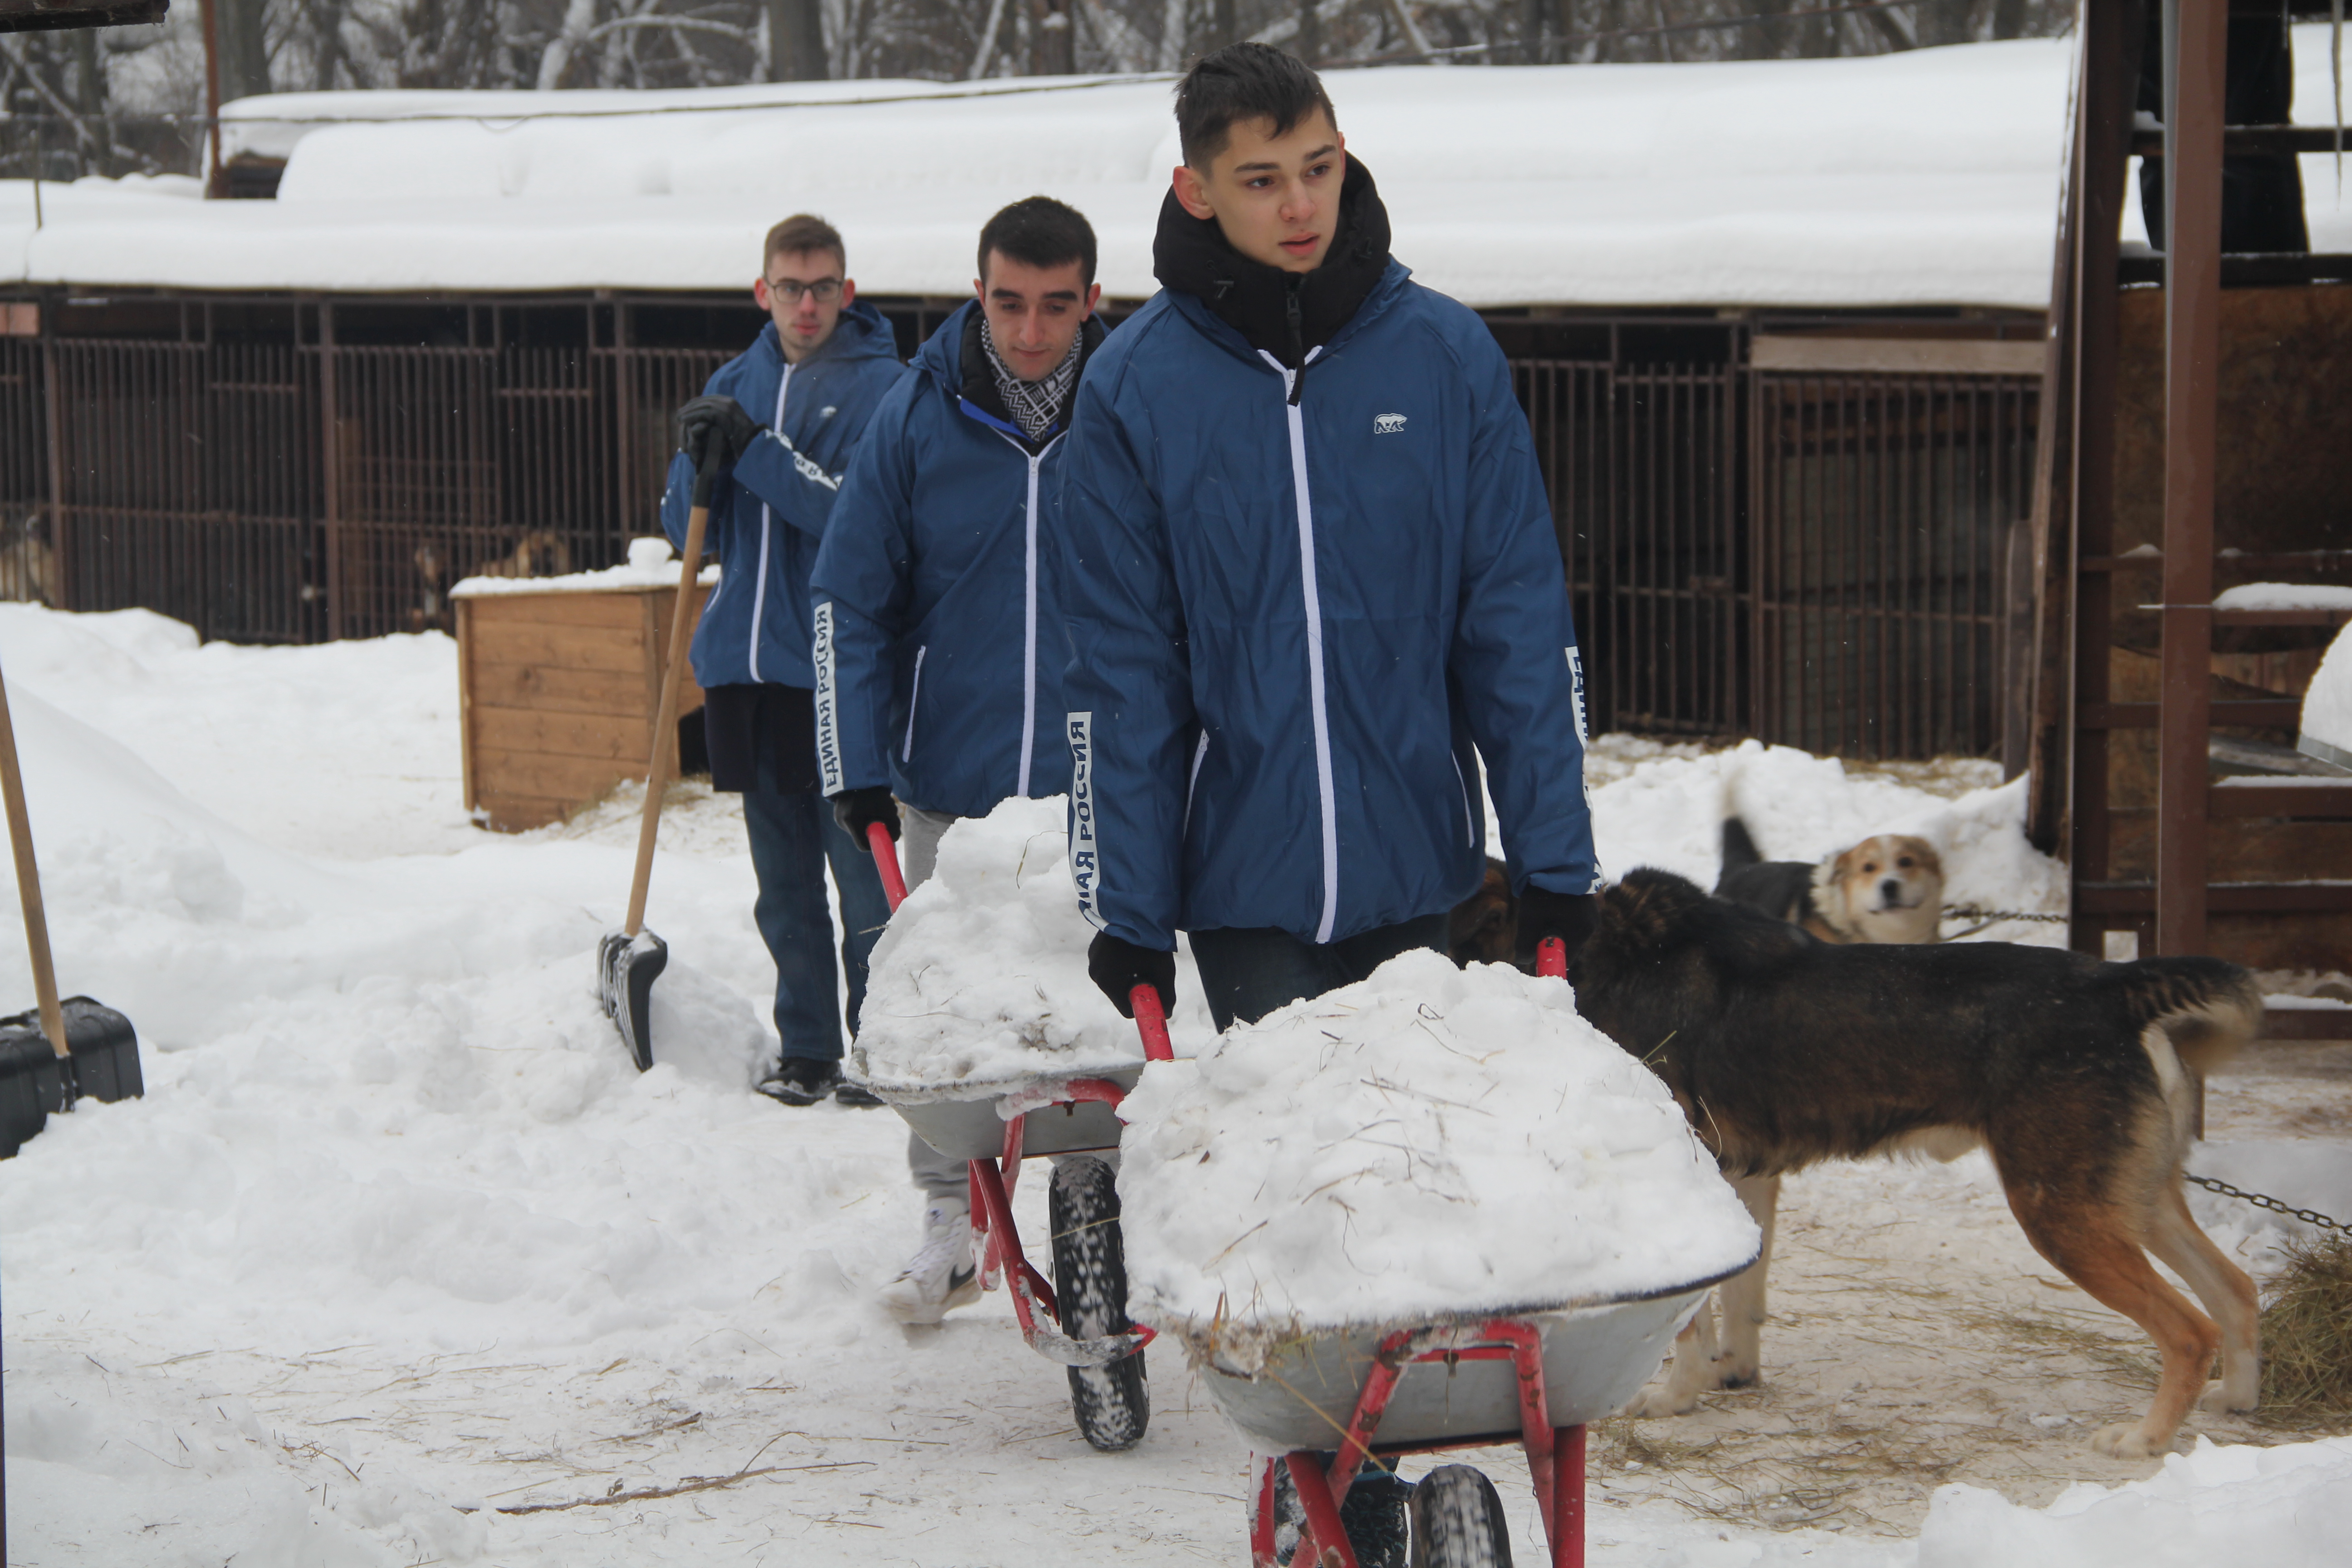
(1311, 580)
(782, 419)
(939, 644)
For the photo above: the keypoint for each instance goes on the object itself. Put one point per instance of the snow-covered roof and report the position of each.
(1925, 178)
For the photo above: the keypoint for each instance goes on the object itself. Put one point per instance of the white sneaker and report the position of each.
(941, 1276)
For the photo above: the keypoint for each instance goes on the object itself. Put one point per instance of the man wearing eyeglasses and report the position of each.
(780, 420)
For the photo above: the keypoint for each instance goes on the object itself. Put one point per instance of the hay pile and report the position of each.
(2307, 1335)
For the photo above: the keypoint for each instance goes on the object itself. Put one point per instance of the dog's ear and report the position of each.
(1642, 910)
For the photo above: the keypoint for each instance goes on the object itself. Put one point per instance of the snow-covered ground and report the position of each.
(399, 1261)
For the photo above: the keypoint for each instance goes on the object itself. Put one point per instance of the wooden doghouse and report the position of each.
(560, 679)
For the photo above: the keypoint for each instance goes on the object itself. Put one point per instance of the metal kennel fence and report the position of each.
(1816, 559)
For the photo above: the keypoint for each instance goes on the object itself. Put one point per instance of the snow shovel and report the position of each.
(58, 1052)
(630, 960)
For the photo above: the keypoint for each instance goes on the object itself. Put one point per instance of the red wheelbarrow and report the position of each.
(1082, 1325)
(1534, 1374)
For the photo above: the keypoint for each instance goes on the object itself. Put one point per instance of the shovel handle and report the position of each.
(1551, 958)
(1152, 1023)
(29, 885)
(664, 734)
(886, 861)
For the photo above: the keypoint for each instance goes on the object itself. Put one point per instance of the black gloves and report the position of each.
(714, 430)
(1118, 967)
(1544, 913)
(857, 809)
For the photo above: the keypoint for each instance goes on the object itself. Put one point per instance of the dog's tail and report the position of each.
(1740, 850)
(2209, 1008)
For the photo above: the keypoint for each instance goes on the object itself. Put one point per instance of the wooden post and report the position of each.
(2077, 785)
(216, 178)
(2195, 66)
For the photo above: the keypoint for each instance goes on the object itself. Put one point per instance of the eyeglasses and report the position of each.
(824, 290)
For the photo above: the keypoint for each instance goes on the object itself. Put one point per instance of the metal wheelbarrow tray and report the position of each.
(971, 1128)
(1536, 1375)
(1595, 1356)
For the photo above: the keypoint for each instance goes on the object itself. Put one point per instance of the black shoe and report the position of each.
(801, 1081)
(855, 1095)
(1374, 1513)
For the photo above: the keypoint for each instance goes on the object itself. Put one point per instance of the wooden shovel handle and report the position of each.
(29, 884)
(681, 621)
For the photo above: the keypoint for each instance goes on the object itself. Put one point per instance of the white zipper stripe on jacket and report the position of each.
(767, 526)
(906, 752)
(1297, 418)
(1029, 617)
(1469, 828)
(1192, 780)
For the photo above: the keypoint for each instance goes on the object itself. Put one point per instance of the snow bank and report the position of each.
(2283, 1505)
(652, 563)
(1432, 1142)
(1929, 176)
(980, 984)
(2327, 703)
(1668, 812)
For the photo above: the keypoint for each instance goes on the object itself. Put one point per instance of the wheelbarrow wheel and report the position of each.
(1112, 1403)
(1457, 1522)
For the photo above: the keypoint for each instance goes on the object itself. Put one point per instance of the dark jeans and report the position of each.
(792, 839)
(1248, 974)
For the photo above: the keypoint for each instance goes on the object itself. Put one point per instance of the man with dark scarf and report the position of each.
(939, 648)
(1311, 580)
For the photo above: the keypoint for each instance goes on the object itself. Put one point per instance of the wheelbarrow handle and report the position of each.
(1551, 958)
(1152, 1023)
(885, 860)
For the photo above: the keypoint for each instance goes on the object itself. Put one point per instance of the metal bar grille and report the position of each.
(1639, 461)
(1813, 558)
(1882, 506)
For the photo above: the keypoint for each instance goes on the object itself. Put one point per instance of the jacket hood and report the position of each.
(1191, 256)
(860, 332)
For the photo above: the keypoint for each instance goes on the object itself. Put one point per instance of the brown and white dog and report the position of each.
(2078, 1076)
(1887, 889)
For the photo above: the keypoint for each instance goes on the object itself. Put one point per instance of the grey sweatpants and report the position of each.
(941, 1178)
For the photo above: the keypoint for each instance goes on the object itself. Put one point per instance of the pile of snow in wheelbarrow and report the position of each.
(399, 1240)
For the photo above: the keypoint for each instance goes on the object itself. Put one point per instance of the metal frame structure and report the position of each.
(2074, 711)
(1736, 532)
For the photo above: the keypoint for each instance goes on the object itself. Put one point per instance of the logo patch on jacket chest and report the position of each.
(1387, 423)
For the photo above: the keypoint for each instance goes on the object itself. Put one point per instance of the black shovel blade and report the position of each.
(626, 968)
(104, 1066)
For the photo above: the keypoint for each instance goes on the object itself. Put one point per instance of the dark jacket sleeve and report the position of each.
(860, 587)
(1129, 686)
(1515, 655)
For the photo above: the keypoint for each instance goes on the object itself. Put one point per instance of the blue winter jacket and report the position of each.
(939, 648)
(768, 512)
(1290, 623)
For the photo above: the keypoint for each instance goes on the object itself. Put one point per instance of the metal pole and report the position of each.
(2195, 62)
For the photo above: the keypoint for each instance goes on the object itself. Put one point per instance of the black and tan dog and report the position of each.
(1784, 1051)
(1889, 888)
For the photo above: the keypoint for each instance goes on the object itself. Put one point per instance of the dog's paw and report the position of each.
(2126, 1442)
(1733, 1374)
(1664, 1399)
(2220, 1399)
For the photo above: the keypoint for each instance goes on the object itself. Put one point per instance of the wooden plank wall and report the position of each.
(558, 696)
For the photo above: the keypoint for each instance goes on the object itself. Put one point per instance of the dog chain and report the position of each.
(1970, 912)
(2264, 1200)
